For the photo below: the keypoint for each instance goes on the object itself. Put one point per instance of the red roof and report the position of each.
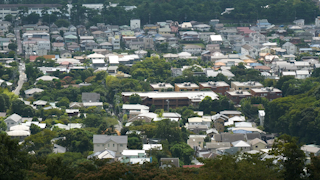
(33, 58)
(192, 166)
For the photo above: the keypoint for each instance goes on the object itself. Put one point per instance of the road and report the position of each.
(22, 78)
(118, 126)
(19, 48)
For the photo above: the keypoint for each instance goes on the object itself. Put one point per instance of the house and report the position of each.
(46, 78)
(90, 97)
(241, 145)
(230, 113)
(227, 137)
(13, 120)
(219, 87)
(199, 121)
(107, 46)
(31, 92)
(212, 146)
(196, 141)
(58, 46)
(213, 48)
(248, 50)
(172, 116)
(219, 120)
(202, 27)
(269, 92)
(238, 95)
(104, 154)
(127, 108)
(162, 87)
(196, 129)
(216, 39)
(169, 162)
(186, 86)
(257, 144)
(311, 149)
(65, 54)
(148, 147)
(302, 74)
(138, 156)
(135, 24)
(290, 48)
(113, 143)
(193, 49)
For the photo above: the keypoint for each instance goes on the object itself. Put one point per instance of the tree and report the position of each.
(62, 23)
(293, 157)
(135, 99)
(77, 140)
(64, 102)
(13, 160)
(40, 143)
(34, 129)
(183, 151)
(134, 142)
(33, 18)
(12, 46)
(9, 18)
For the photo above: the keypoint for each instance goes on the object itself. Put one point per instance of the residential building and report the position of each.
(196, 141)
(162, 87)
(135, 24)
(212, 146)
(269, 92)
(162, 100)
(248, 50)
(258, 144)
(90, 97)
(169, 162)
(230, 113)
(65, 54)
(13, 120)
(113, 143)
(216, 39)
(219, 87)
(202, 27)
(128, 108)
(241, 145)
(227, 137)
(104, 154)
(32, 91)
(219, 120)
(238, 95)
(290, 48)
(311, 149)
(235, 85)
(193, 49)
(186, 86)
(199, 121)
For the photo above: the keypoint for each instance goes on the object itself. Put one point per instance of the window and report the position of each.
(98, 145)
(256, 146)
(113, 145)
(121, 145)
(108, 145)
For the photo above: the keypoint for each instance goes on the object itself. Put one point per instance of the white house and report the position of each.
(241, 145)
(193, 49)
(135, 24)
(290, 48)
(199, 121)
(13, 120)
(113, 143)
(249, 50)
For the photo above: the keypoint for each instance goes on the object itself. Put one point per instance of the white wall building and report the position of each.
(135, 24)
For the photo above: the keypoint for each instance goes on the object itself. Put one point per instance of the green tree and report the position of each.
(64, 102)
(12, 46)
(34, 129)
(77, 140)
(135, 99)
(183, 151)
(40, 143)
(293, 157)
(134, 142)
(14, 160)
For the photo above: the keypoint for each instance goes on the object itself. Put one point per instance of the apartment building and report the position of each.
(219, 87)
(235, 85)
(269, 92)
(238, 95)
(186, 86)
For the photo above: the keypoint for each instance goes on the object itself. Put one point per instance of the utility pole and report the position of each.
(168, 102)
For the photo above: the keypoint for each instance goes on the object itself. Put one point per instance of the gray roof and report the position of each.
(59, 149)
(251, 136)
(106, 138)
(215, 145)
(226, 137)
(14, 117)
(90, 97)
(173, 161)
(33, 90)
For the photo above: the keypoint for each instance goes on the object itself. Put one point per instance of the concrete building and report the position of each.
(219, 87)
(186, 86)
(238, 95)
(162, 87)
(113, 143)
(235, 85)
(269, 92)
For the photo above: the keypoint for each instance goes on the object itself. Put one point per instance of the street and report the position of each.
(22, 79)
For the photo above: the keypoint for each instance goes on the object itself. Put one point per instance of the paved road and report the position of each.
(19, 48)
(22, 79)
(118, 126)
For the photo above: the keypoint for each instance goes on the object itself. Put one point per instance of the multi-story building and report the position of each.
(113, 143)
(162, 87)
(218, 87)
(13, 9)
(161, 100)
(269, 92)
(235, 85)
(186, 86)
(238, 95)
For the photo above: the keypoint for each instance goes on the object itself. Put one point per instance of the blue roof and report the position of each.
(241, 132)
(255, 64)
